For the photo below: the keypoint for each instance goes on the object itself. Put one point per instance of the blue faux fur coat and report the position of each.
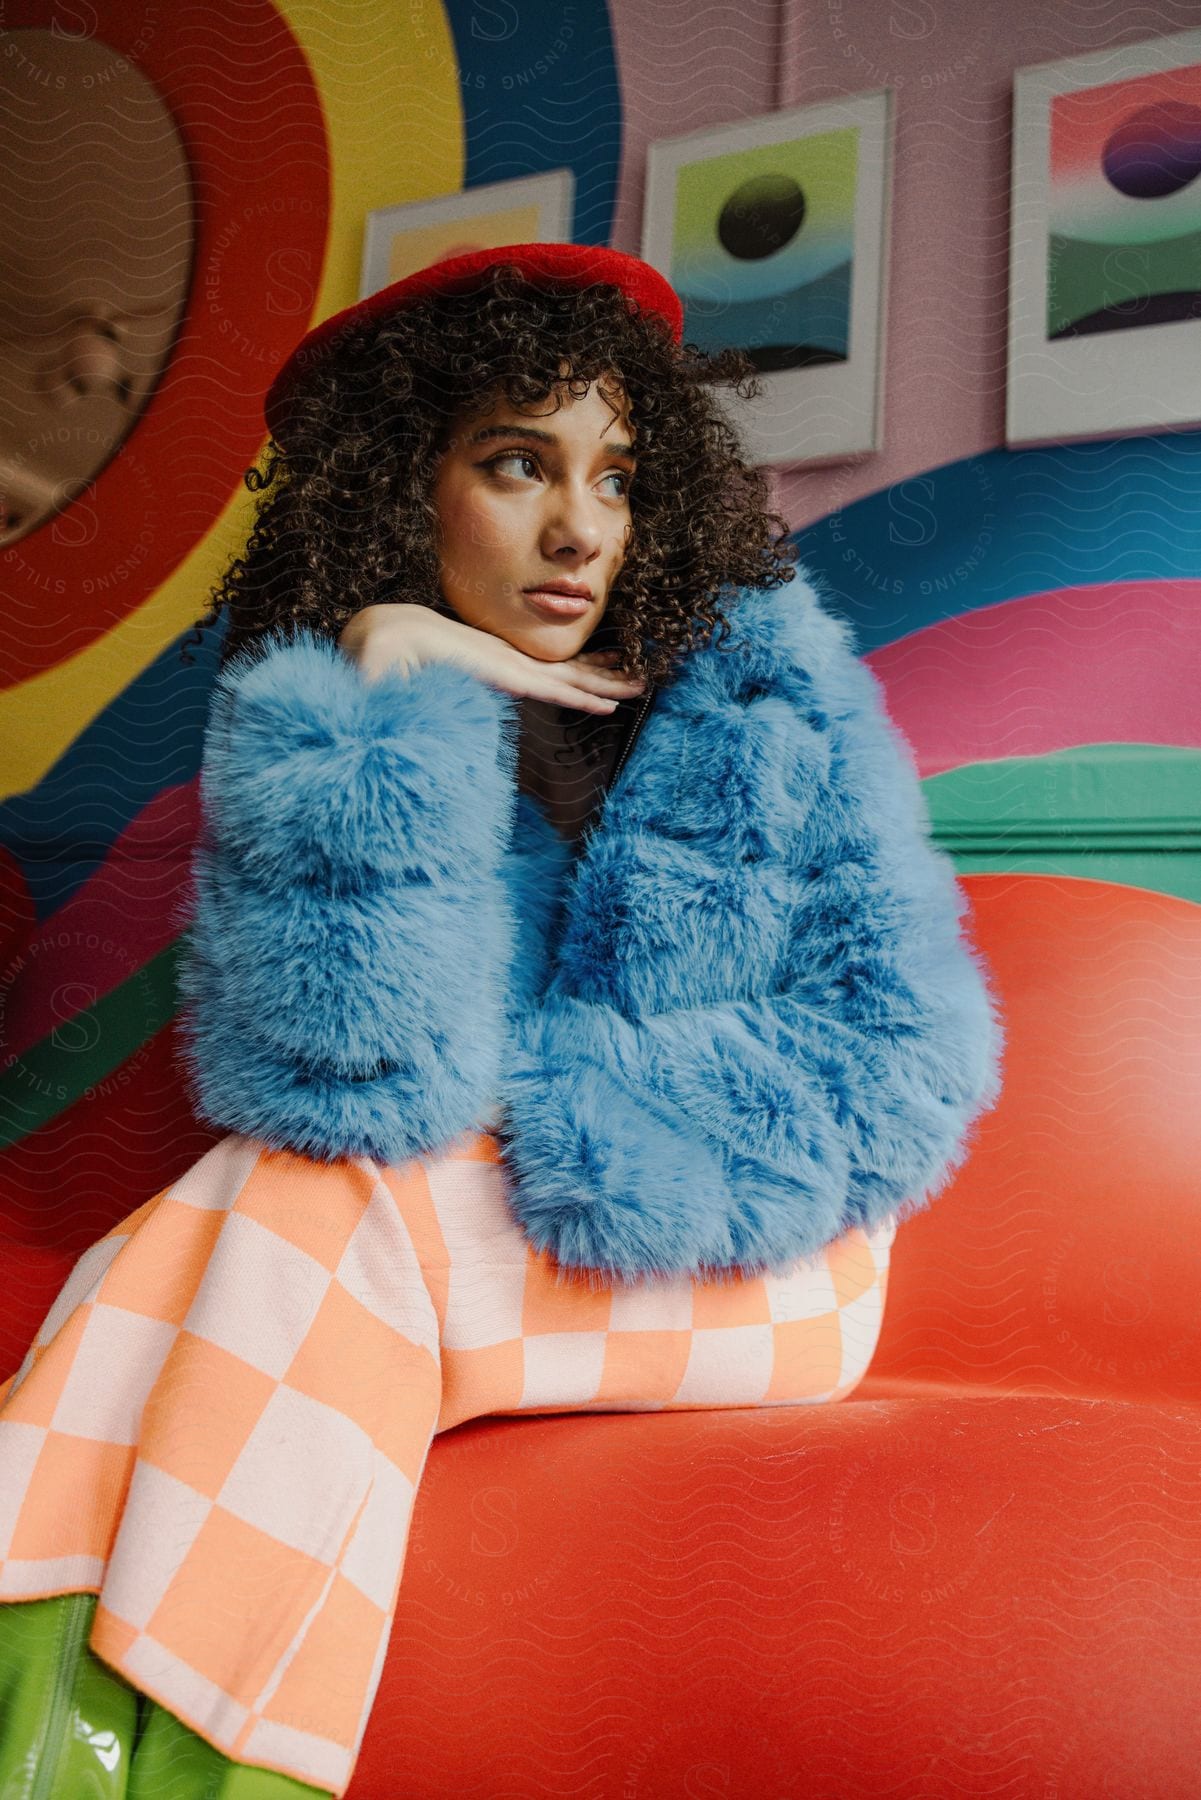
(743, 1019)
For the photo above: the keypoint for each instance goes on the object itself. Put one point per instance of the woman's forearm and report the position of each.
(347, 947)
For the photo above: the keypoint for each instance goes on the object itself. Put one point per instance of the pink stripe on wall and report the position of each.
(1118, 663)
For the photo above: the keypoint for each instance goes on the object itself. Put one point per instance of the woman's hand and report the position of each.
(404, 636)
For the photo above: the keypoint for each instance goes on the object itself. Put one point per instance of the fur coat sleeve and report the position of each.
(344, 956)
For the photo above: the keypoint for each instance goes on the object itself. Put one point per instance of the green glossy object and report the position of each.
(71, 1728)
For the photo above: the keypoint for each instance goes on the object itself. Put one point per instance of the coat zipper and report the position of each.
(629, 743)
(68, 1651)
(598, 808)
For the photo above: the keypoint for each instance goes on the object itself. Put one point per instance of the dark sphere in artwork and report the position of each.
(761, 216)
(1154, 152)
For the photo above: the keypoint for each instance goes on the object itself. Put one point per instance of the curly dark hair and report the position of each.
(345, 518)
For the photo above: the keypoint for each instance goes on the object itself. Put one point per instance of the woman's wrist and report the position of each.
(395, 635)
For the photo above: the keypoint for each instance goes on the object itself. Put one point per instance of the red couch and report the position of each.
(979, 1574)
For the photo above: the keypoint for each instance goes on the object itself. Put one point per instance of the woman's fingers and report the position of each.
(582, 701)
(598, 664)
(604, 681)
(609, 684)
(590, 698)
(587, 682)
(596, 659)
(585, 690)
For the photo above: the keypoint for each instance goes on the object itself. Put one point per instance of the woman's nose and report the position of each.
(572, 519)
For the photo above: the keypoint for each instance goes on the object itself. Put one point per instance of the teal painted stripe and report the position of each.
(1125, 813)
(80, 1055)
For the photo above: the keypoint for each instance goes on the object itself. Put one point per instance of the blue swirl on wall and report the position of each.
(150, 737)
(1007, 524)
(540, 91)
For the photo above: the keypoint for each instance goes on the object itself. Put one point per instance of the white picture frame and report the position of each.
(399, 240)
(774, 232)
(1094, 246)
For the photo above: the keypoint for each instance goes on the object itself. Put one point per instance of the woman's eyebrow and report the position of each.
(615, 448)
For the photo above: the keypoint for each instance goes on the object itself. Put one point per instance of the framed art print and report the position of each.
(399, 240)
(1105, 253)
(774, 233)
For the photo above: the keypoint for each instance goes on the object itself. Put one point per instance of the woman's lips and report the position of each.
(561, 606)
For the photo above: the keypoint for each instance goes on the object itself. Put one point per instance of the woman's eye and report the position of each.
(523, 456)
(513, 456)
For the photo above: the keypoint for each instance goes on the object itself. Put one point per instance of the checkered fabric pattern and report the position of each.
(221, 1425)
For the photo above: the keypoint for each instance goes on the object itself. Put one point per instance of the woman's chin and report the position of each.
(546, 654)
(546, 641)
(537, 635)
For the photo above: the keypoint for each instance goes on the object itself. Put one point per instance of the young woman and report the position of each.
(574, 982)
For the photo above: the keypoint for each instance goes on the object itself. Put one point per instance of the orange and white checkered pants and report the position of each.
(220, 1427)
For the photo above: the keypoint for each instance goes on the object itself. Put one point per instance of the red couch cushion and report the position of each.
(978, 1574)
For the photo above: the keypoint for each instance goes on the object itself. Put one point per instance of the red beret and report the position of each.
(567, 265)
